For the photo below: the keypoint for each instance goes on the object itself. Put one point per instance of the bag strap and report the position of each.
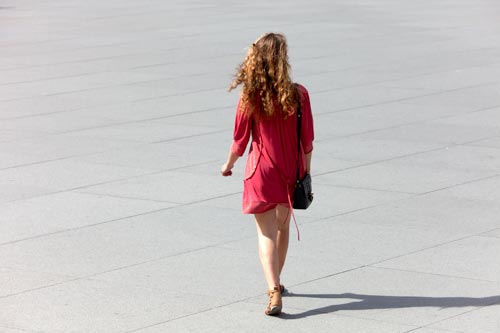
(299, 127)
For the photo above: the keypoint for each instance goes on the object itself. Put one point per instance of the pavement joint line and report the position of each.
(106, 182)
(180, 93)
(435, 274)
(117, 219)
(111, 106)
(90, 60)
(85, 74)
(447, 146)
(191, 136)
(477, 308)
(90, 276)
(430, 248)
(87, 186)
(401, 125)
(409, 98)
(461, 184)
(363, 188)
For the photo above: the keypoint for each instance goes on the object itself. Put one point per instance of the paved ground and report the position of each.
(114, 121)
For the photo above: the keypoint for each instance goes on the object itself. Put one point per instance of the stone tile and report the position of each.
(126, 242)
(245, 317)
(170, 186)
(146, 132)
(433, 213)
(493, 142)
(449, 80)
(494, 233)
(238, 266)
(435, 132)
(463, 258)
(58, 212)
(52, 147)
(403, 297)
(66, 174)
(16, 135)
(460, 158)
(432, 330)
(400, 176)
(475, 97)
(12, 330)
(375, 118)
(364, 150)
(480, 118)
(482, 190)
(55, 123)
(485, 320)
(330, 201)
(15, 281)
(12, 192)
(69, 306)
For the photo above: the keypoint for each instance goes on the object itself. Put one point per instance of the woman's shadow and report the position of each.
(370, 302)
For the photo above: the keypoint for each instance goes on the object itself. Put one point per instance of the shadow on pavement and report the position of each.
(370, 302)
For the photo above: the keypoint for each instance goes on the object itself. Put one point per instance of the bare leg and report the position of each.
(283, 216)
(267, 230)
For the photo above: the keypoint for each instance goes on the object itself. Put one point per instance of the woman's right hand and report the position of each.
(226, 170)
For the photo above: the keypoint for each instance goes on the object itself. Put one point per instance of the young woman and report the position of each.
(267, 112)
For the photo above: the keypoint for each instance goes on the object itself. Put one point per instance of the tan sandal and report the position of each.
(275, 303)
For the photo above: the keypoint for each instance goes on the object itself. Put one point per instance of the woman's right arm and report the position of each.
(241, 136)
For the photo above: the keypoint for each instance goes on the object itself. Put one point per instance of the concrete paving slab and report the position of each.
(16, 281)
(402, 297)
(161, 156)
(494, 233)
(53, 147)
(435, 132)
(493, 142)
(362, 151)
(12, 330)
(169, 186)
(397, 175)
(66, 174)
(336, 200)
(128, 101)
(485, 319)
(113, 308)
(63, 211)
(126, 242)
(436, 213)
(246, 317)
(471, 263)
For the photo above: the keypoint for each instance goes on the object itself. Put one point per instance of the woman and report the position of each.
(267, 111)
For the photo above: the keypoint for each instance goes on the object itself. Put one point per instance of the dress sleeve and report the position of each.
(307, 130)
(242, 130)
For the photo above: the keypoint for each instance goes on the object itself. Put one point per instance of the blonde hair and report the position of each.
(265, 77)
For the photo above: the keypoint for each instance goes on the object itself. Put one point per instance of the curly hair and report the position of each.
(265, 77)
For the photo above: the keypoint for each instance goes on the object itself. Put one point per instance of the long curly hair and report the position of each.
(265, 78)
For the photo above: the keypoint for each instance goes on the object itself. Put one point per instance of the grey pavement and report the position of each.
(115, 119)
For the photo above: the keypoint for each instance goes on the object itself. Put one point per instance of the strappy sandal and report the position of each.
(275, 303)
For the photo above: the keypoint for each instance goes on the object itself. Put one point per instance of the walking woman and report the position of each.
(267, 112)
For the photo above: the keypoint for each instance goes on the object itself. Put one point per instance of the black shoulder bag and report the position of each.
(302, 196)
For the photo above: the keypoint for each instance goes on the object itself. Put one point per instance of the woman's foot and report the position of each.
(275, 303)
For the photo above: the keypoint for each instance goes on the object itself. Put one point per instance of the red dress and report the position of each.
(271, 167)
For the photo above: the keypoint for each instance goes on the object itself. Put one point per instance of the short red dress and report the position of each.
(271, 167)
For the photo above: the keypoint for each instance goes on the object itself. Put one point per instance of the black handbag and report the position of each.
(302, 196)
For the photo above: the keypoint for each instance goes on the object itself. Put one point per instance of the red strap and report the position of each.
(293, 215)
